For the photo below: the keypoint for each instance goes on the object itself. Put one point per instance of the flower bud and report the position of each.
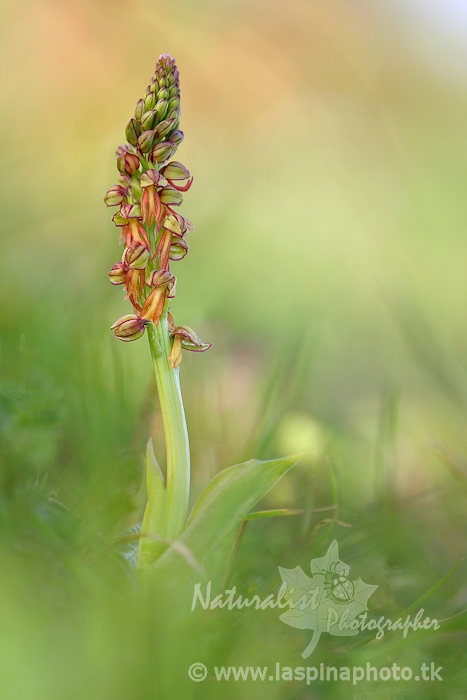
(174, 115)
(170, 196)
(149, 102)
(146, 140)
(115, 195)
(132, 131)
(163, 128)
(176, 136)
(117, 273)
(139, 110)
(149, 119)
(136, 257)
(161, 108)
(174, 103)
(178, 249)
(128, 163)
(129, 327)
(163, 151)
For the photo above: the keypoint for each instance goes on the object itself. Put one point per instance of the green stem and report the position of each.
(175, 430)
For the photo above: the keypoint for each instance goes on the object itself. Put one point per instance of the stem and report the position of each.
(175, 430)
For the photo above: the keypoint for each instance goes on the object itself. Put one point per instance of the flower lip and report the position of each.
(189, 339)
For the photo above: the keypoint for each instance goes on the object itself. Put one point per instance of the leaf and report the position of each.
(155, 515)
(278, 512)
(224, 503)
(434, 588)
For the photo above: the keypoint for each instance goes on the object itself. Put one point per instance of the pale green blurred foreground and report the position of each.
(327, 268)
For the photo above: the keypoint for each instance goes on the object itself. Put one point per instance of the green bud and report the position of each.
(148, 119)
(163, 128)
(163, 151)
(149, 102)
(146, 140)
(174, 115)
(169, 195)
(176, 136)
(132, 131)
(161, 108)
(139, 109)
(136, 257)
(163, 94)
(174, 91)
(174, 103)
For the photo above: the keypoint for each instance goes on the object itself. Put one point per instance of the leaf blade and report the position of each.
(224, 503)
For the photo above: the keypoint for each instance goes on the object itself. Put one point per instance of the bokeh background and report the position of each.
(327, 142)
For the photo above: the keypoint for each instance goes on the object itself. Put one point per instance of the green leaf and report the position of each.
(155, 515)
(222, 506)
(434, 588)
(278, 512)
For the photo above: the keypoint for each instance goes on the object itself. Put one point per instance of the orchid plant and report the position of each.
(154, 235)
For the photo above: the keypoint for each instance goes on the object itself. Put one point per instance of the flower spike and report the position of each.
(149, 190)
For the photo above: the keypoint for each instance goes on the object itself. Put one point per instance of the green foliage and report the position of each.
(220, 508)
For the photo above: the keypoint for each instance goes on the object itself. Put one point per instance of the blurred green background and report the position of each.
(327, 142)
